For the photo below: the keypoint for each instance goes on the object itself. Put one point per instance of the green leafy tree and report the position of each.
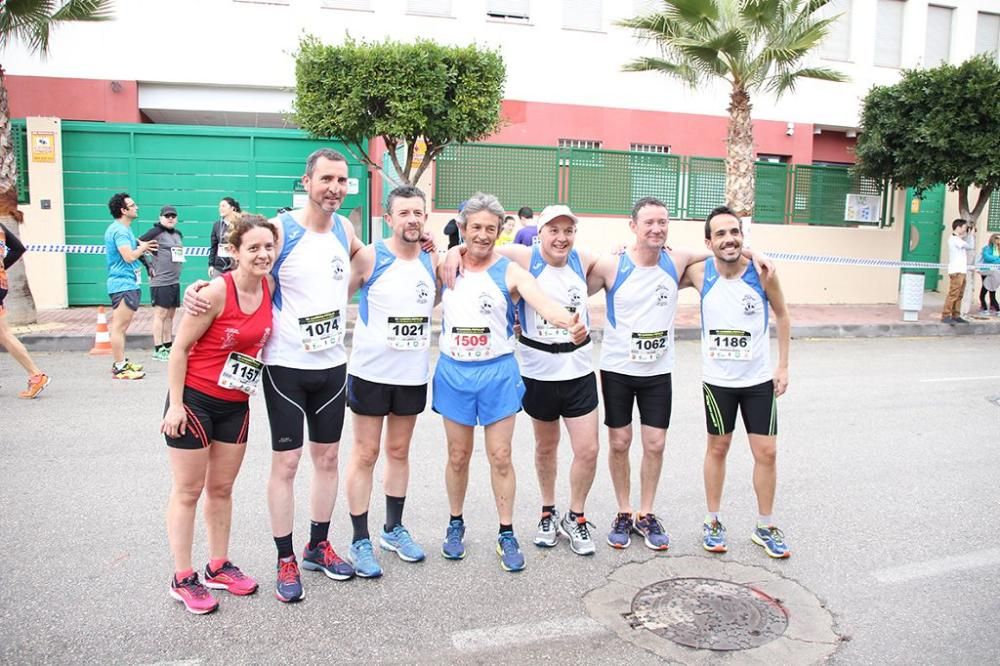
(935, 126)
(754, 45)
(29, 22)
(399, 92)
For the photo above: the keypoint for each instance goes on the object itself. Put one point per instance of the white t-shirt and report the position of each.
(956, 255)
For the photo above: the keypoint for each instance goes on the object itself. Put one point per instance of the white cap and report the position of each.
(554, 212)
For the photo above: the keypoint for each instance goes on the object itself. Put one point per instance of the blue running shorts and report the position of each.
(477, 392)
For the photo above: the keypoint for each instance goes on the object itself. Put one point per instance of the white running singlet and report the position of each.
(392, 336)
(642, 304)
(735, 341)
(310, 297)
(567, 286)
(477, 316)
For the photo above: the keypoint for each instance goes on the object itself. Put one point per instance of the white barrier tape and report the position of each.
(778, 256)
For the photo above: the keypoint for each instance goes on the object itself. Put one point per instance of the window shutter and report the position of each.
(937, 48)
(889, 33)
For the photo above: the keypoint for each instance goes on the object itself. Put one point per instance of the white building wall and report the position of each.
(247, 44)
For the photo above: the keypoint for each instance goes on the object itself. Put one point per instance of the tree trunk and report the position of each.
(740, 154)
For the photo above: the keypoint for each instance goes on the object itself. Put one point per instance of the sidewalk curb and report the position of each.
(83, 343)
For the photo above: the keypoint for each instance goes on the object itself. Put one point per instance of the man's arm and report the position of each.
(783, 322)
(213, 248)
(694, 276)
(123, 242)
(601, 275)
(521, 283)
(361, 269)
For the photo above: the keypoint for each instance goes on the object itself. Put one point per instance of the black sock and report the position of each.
(549, 509)
(157, 348)
(506, 528)
(573, 515)
(167, 345)
(393, 512)
(284, 545)
(360, 524)
(458, 518)
(318, 532)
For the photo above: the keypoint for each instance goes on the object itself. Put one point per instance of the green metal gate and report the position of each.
(922, 232)
(189, 167)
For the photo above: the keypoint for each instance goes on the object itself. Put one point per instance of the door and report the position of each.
(922, 233)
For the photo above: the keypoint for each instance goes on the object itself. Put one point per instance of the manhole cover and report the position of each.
(708, 613)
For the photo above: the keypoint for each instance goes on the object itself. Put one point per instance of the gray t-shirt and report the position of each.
(169, 259)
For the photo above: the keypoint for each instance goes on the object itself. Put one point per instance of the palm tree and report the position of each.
(30, 22)
(755, 45)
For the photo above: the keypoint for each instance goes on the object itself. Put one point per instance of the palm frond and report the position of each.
(785, 81)
(84, 10)
(682, 71)
(31, 21)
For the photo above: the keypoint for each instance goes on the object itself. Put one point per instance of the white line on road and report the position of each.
(522, 634)
(907, 572)
(178, 662)
(960, 379)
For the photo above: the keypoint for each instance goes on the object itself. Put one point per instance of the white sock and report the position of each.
(711, 517)
(765, 521)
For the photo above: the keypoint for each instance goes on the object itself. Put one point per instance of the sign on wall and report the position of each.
(43, 146)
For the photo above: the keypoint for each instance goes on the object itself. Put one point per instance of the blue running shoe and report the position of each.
(400, 542)
(289, 586)
(714, 537)
(361, 555)
(772, 540)
(621, 528)
(324, 558)
(511, 557)
(650, 527)
(453, 547)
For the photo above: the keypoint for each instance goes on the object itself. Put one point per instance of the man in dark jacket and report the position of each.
(451, 230)
(165, 279)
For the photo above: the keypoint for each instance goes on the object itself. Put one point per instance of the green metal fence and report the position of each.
(993, 218)
(608, 182)
(19, 139)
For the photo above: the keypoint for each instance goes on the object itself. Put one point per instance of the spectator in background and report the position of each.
(165, 279)
(957, 267)
(991, 278)
(220, 259)
(10, 251)
(528, 232)
(506, 236)
(452, 231)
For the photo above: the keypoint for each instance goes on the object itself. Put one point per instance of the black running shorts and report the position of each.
(756, 404)
(210, 419)
(131, 299)
(167, 296)
(374, 399)
(313, 396)
(653, 394)
(548, 400)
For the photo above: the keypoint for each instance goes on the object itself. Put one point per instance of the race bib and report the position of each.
(647, 347)
(223, 251)
(177, 255)
(138, 276)
(471, 344)
(241, 372)
(321, 331)
(726, 345)
(408, 333)
(547, 331)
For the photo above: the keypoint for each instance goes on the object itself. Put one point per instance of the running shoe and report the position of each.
(771, 539)
(126, 373)
(947, 320)
(361, 556)
(193, 595)
(714, 537)
(162, 354)
(400, 542)
(621, 528)
(289, 585)
(36, 384)
(453, 547)
(324, 558)
(230, 579)
(578, 533)
(548, 532)
(137, 367)
(511, 557)
(960, 320)
(650, 527)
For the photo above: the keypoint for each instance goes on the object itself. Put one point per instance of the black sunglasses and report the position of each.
(170, 215)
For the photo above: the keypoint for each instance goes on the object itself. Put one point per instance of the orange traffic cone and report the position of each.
(102, 339)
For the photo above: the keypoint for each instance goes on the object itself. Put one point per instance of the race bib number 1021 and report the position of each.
(408, 333)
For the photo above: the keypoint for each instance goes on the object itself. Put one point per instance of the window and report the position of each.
(988, 34)
(888, 33)
(937, 48)
(359, 5)
(515, 11)
(582, 15)
(590, 144)
(429, 7)
(773, 159)
(649, 148)
(837, 44)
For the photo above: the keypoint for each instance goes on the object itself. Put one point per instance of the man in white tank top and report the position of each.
(476, 380)
(388, 376)
(637, 359)
(736, 369)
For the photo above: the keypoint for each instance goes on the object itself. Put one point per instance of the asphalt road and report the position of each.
(887, 494)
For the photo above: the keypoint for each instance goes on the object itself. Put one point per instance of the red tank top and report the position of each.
(233, 331)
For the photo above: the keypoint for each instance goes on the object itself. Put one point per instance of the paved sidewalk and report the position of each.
(73, 329)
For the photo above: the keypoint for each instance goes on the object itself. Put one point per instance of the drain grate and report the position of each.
(709, 614)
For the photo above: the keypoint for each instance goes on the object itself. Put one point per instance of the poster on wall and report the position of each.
(43, 146)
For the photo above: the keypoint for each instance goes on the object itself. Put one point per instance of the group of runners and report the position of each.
(277, 321)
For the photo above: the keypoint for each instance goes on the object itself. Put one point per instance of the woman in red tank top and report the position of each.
(214, 368)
